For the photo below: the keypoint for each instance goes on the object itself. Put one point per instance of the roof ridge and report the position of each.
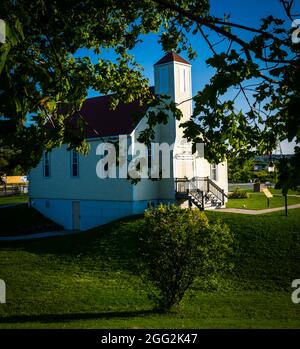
(112, 94)
(171, 56)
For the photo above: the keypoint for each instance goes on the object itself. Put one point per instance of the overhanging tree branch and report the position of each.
(211, 24)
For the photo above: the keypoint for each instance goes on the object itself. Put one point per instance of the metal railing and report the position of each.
(201, 183)
(209, 186)
(188, 189)
(197, 194)
(198, 185)
(182, 185)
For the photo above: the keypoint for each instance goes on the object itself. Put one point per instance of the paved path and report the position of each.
(255, 212)
(39, 235)
(294, 195)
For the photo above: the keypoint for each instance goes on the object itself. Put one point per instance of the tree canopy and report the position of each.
(41, 77)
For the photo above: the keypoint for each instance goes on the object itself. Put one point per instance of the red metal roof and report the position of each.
(171, 57)
(102, 121)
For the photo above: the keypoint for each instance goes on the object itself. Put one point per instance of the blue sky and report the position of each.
(241, 11)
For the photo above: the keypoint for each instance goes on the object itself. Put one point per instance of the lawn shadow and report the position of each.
(50, 318)
(114, 244)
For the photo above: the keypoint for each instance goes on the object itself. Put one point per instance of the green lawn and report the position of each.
(279, 192)
(90, 280)
(13, 199)
(258, 201)
(21, 219)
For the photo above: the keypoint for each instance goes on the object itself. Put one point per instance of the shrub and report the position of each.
(238, 194)
(177, 246)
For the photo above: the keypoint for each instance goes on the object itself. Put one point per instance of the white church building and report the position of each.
(65, 186)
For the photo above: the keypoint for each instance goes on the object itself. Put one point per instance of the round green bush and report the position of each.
(177, 245)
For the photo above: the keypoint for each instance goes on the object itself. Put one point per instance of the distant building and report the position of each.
(260, 167)
(268, 162)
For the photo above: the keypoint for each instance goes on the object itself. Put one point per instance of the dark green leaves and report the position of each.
(177, 246)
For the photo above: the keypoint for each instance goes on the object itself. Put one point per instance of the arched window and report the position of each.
(164, 80)
(214, 172)
(182, 79)
(74, 164)
(46, 164)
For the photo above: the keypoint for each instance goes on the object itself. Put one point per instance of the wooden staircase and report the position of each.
(203, 192)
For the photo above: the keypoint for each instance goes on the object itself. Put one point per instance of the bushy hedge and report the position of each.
(177, 245)
(238, 194)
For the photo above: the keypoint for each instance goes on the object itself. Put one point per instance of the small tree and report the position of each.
(177, 246)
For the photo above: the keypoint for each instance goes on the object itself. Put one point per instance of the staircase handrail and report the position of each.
(218, 192)
(197, 193)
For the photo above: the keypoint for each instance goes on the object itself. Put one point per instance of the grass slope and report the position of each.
(258, 201)
(279, 191)
(21, 219)
(90, 280)
(13, 199)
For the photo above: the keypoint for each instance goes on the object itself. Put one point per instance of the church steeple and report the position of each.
(172, 76)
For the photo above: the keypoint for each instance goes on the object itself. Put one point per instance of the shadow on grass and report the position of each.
(114, 244)
(49, 318)
(29, 221)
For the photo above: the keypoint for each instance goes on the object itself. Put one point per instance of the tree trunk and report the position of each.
(285, 203)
